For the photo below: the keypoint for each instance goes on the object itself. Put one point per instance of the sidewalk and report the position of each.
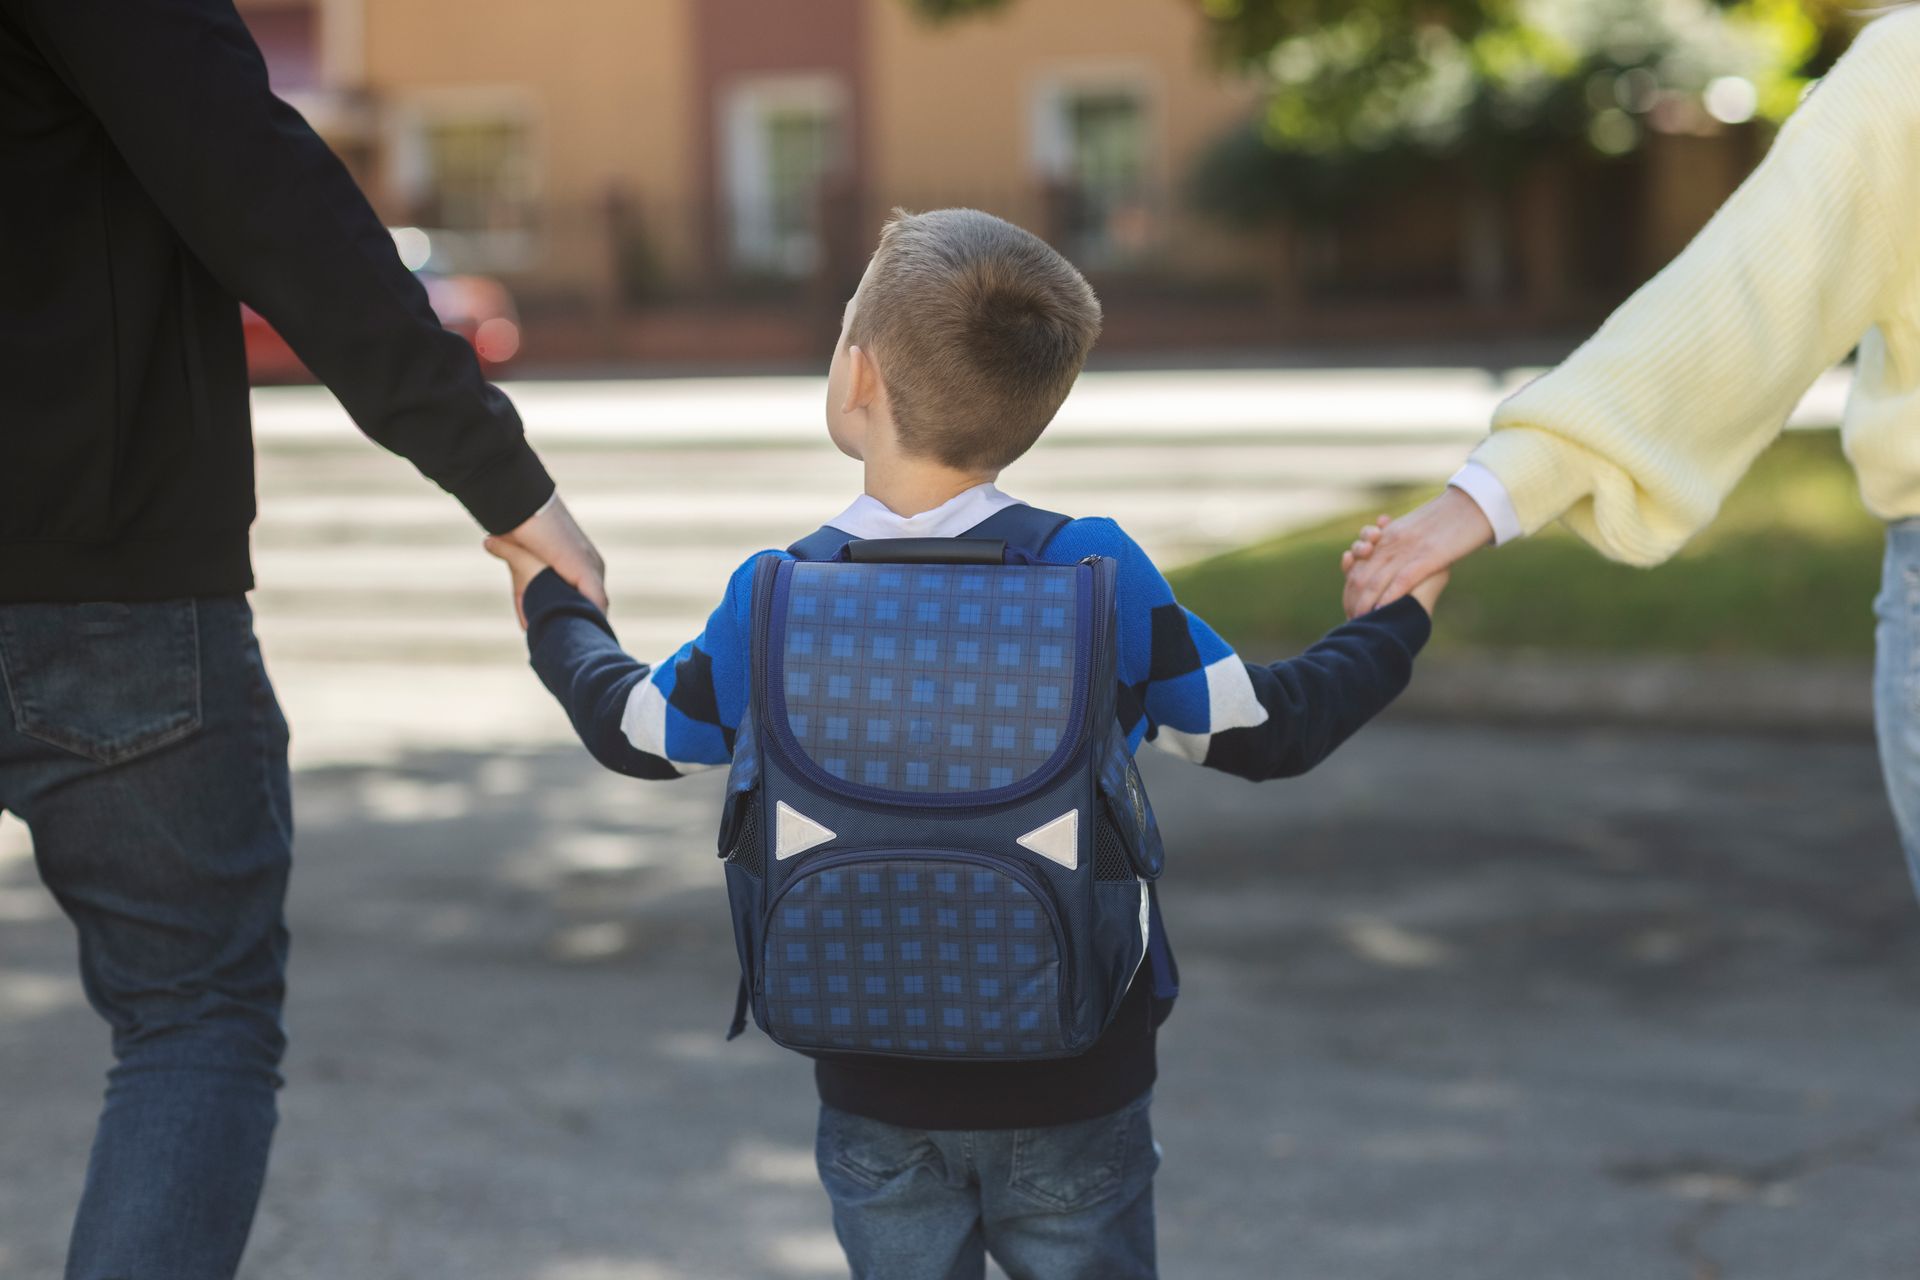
(1737, 695)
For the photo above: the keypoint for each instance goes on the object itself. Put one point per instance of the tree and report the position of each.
(1368, 94)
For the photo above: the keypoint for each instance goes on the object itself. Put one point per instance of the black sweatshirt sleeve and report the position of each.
(579, 659)
(1318, 700)
(181, 89)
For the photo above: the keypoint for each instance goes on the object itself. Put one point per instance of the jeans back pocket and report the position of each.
(1069, 1167)
(869, 1152)
(106, 681)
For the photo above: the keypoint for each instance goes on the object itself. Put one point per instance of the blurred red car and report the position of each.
(477, 308)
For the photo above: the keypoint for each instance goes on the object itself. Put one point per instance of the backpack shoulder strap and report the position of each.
(823, 543)
(1022, 526)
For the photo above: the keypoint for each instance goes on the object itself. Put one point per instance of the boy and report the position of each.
(959, 346)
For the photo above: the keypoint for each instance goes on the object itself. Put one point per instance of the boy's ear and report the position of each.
(863, 380)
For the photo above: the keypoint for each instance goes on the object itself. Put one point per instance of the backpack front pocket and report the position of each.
(920, 953)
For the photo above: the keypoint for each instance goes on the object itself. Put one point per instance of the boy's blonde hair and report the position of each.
(978, 329)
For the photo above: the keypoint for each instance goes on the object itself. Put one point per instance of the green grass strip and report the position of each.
(1789, 569)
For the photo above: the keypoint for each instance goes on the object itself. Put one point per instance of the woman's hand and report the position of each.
(1391, 559)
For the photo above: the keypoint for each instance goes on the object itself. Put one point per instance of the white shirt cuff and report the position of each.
(1484, 487)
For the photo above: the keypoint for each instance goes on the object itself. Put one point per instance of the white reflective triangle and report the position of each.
(1058, 840)
(794, 832)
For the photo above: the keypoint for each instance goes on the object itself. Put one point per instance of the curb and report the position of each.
(1827, 698)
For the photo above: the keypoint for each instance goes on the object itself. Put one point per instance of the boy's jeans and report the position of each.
(142, 745)
(1071, 1202)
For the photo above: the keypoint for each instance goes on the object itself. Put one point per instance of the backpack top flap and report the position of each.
(929, 683)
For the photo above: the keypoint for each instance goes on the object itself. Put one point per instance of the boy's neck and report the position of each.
(909, 487)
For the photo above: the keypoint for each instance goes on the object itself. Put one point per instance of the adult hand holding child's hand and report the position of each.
(1426, 591)
(1397, 557)
(555, 540)
(522, 564)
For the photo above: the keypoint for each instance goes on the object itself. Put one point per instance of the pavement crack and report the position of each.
(1719, 1186)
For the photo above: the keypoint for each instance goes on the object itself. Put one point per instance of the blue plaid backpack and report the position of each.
(936, 842)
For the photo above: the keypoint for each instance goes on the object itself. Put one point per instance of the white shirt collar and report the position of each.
(868, 517)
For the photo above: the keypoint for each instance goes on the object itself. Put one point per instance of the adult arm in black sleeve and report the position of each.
(181, 89)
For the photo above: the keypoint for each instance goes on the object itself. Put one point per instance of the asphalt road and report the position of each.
(1464, 1005)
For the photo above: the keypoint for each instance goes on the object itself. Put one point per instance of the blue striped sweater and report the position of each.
(1182, 687)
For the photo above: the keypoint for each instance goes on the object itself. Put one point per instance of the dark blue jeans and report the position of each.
(142, 745)
(1069, 1202)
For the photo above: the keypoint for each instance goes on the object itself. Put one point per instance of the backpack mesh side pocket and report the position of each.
(748, 852)
(1110, 861)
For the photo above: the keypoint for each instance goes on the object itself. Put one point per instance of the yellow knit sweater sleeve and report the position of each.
(1637, 438)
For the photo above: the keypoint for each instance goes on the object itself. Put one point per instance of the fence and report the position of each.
(628, 278)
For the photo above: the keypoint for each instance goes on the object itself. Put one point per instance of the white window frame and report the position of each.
(743, 161)
(1049, 150)
(1049, 146)
(408, 168)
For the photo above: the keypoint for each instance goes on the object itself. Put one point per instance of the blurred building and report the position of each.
(675, 181)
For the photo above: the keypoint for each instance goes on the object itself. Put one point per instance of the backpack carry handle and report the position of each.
(1025, 529)
(930, 551)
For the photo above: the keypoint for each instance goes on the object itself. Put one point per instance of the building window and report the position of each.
(478, 175)
(1093, 147)
(289, 38)
(783, 141)
(465, 169)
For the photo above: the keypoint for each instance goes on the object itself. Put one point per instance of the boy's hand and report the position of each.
(522, 564)
(1427, 591)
